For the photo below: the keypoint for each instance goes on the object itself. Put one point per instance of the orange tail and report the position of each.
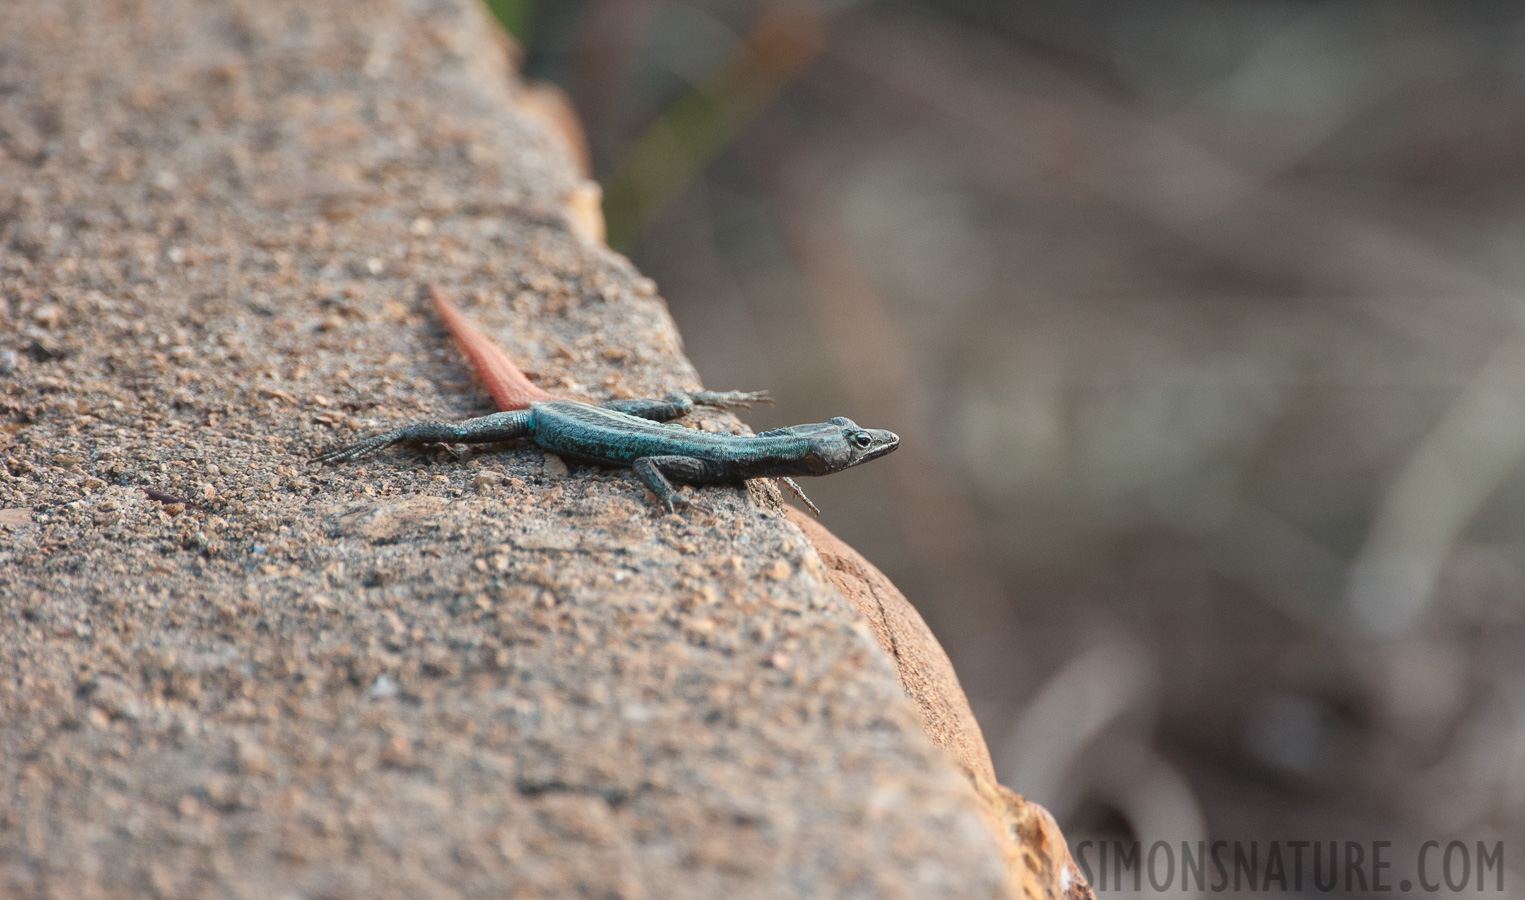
(503, 380)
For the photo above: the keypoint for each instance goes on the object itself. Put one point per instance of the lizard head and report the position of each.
(840, 444)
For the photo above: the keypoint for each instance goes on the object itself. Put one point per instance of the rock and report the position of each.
(555, 466)
(266, 186)
(1035, 850)
(15, 517)
(113, 697)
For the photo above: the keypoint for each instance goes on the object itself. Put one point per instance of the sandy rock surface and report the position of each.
(228, 672)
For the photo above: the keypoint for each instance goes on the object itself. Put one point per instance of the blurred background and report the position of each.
(1200, 325)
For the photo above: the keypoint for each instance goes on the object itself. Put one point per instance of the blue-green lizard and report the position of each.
(629, 433)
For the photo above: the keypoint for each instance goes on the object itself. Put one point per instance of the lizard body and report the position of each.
(630, 433)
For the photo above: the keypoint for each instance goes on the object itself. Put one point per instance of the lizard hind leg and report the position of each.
(503, 426)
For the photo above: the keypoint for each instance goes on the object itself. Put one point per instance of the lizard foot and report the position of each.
(356, 450)
(672, 502)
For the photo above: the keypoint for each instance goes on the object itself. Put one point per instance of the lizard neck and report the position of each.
(773, 457)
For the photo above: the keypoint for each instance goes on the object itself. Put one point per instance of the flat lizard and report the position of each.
(629, 432)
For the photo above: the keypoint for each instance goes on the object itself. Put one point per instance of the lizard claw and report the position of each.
(731, 399)
(348, 452)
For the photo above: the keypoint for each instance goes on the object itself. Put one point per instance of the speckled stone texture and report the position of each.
(423, 676)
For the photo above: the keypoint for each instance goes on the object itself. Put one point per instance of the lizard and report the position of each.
(631, 432)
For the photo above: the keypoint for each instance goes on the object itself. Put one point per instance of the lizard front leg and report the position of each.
(654, 472)
(678, 403)
(503, 426)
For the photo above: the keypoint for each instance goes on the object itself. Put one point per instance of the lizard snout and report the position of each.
(880, 443)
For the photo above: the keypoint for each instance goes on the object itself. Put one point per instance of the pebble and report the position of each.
(15, 517)
(778, 570)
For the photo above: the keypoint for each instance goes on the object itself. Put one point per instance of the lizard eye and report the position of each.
(862, 439)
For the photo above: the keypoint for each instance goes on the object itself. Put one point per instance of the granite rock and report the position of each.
(230, 672)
